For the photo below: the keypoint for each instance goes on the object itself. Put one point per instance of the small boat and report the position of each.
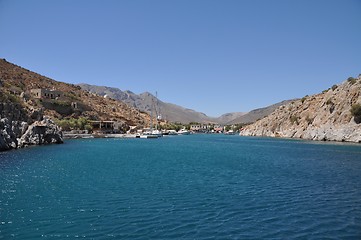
(157, 133)
(230, 132)
(148, 136)
(184, 132)
(172, 132)
(151, 134)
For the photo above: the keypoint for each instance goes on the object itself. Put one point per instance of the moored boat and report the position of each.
(184, 132)
(172, 132)
(230, 132)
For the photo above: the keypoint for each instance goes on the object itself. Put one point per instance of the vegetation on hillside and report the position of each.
(16, 81)
(356, 112)
(351, 80)
(74, 124)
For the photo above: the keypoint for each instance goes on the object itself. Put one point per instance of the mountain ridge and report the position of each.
(176, 113)
(143, 101)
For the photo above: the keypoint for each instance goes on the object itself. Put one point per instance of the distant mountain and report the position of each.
(175, 113)
(257, 114)
(143, 102)
(228, 118)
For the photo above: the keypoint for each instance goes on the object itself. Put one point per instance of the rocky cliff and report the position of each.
(21, 126)
(326, 116)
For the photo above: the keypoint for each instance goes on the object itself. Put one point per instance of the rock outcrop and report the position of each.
(41, 132)
(18, 134)
(325, 116)
(21, 126)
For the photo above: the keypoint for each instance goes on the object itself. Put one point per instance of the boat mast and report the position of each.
(159, 114)
(151, 117)
(156, 109)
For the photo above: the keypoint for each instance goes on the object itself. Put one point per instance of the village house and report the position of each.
(218, 128)
(200, 127)
(195, 127)
(43, 93)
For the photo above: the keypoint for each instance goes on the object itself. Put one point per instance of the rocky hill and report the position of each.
(257, 114)
(26, 119)
(17, 80)
(170, 112)
(324, 116)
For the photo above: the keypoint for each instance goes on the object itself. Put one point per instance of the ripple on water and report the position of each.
(196, 187)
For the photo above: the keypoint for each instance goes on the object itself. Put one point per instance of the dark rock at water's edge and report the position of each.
(22, 125)
(18, 134)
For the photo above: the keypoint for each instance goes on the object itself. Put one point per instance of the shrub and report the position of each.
(72, 123)
(294, 119)
(329, 102)
(356, 112)
(351, 80)
(334, 87)
(309, 120)
(304, 98)
(332, 105)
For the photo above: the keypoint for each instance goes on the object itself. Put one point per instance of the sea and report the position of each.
(182, 187)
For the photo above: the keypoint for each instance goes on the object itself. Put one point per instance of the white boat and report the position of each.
(157, 133)
(230, 132)
(172, 132)
(148, 136)
(184, 132)
(150, 132)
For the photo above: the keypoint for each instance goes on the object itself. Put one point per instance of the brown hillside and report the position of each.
(324, 116)
(16, 83)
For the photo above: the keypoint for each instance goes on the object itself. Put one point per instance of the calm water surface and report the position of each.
(182, 187)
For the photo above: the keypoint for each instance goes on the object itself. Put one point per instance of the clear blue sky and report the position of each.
(211, 56)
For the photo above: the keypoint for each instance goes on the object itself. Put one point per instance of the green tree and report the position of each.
(227, 128)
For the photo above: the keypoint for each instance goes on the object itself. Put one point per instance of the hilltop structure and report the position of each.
(42, 93)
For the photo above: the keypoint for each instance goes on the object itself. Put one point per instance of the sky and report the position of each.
(213, 56)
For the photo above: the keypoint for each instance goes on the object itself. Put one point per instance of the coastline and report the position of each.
(90, 135)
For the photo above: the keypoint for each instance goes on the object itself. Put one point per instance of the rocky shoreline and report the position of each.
(18, 134)
(323, 133)
(21, 127)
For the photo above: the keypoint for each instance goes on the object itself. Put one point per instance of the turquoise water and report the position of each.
(182, 187)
